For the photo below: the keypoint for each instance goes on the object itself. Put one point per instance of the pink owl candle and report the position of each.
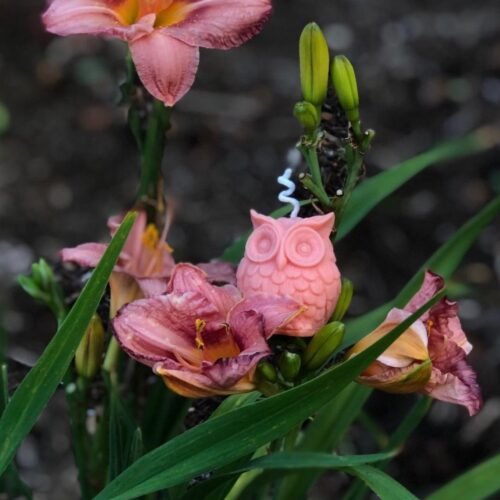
(293, 257)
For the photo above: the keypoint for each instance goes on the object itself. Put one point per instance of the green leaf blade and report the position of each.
(377, 188)
(476, 484)
(444, 261)
(41, 382)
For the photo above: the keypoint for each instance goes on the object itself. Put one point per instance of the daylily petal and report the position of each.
(227, 372)
(276, 311)
(430, 286)
(247, 328)
(452, 379)
(411, 345)
(133, 244)
(166, 66)
(153, 329)
(219, 273)
(444, 318)
(151, 287)
(93, 17)
(227, 376)
(87, 254)
(220, 24)
(123, 290)
(186, 277)
(407, 380)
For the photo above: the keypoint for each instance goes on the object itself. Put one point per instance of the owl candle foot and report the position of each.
(293, 257)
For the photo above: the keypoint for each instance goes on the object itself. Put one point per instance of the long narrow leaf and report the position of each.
(224, 439)
(375, 189)
(383, 485)
(415, 415)
(38, 386)
(324, 433)
(306, 460)
(475, 484)
(444, 262)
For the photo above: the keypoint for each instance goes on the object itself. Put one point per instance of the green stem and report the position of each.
(152, 154)
(76, 397)
(316, 187)
(354, 158)
(309, 184)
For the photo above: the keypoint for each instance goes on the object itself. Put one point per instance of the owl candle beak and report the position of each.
(281, 260)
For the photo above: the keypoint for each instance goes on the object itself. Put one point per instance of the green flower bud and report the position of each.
(346, 88)
(314, 64)
(323, 345)
(266, 371)
(88, 356)
(289, 364)
(344, 301)
(307, 115)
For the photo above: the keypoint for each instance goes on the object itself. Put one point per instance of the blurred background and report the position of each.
(427, 71)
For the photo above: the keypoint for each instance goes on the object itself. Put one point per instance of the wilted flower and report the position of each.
(429, 357)
(202, 339)
(142, 268)
(164, 36)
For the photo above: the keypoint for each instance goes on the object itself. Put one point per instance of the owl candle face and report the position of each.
(293, 257)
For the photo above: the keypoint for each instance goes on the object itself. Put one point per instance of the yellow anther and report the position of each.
(200, 325)
(151, 236)
(430, 324)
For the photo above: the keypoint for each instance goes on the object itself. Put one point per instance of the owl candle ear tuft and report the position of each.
(293, 257)
(323, 224)
(259, 219)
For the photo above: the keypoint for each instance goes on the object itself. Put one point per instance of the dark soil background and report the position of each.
(427, 71)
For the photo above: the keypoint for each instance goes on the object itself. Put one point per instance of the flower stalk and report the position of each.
(152, 154)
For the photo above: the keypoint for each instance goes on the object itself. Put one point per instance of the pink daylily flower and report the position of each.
(143, 266)
(429, 357)
(201, 338)
(164, 36)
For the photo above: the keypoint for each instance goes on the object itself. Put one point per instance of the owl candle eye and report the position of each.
(263, 244)
(304, 247)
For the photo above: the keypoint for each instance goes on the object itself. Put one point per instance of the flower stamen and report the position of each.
(200, 325)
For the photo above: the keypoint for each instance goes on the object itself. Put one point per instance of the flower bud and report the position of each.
(344, 301)
(266, 371)
(314, 64)
(289, 364)
(323, 345)
(307, 115)
(346, 88)
(88, 356)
